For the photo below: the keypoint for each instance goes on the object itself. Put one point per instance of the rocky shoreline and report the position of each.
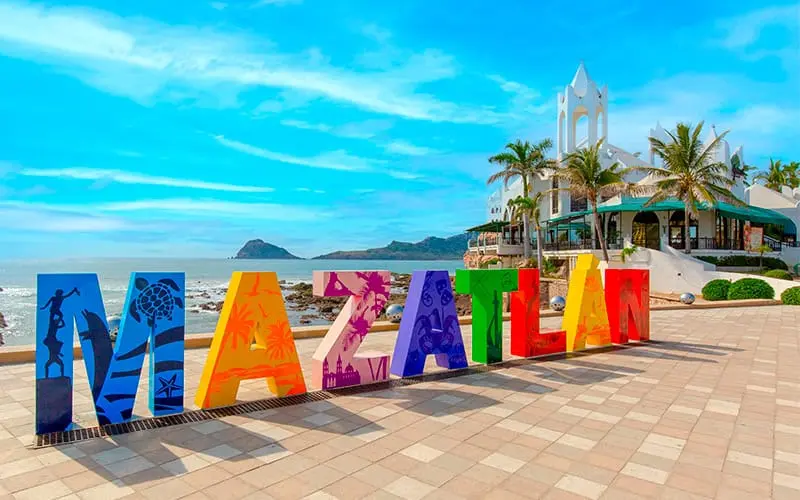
(299, 297)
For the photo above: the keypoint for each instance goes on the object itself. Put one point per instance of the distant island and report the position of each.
(431, 248)
(260, 249)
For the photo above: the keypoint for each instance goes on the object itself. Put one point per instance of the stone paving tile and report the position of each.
(711, 411)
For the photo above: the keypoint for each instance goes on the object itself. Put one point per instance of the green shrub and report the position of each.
(716, 290)
(750, 288)
(710, 259)
(791, 296)
(748, 261)
(779, 274)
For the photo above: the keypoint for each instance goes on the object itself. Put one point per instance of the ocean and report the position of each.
(209, 277)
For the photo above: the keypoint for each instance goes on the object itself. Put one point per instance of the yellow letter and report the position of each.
(585, 318)
(253, 309)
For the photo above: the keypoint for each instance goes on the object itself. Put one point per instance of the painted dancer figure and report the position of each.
(56, 322)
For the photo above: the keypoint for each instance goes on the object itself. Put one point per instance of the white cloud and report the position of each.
(355, 130)
(406, 148)
(120, 177)
(217, 208)
(36, 217)
(406, 176)
(333, 160)
(376, 33)
(144, 60)
(742, 31)
(320, 127)
(277, 3)
(309, 190)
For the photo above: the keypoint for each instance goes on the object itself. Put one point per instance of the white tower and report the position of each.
(581, 98)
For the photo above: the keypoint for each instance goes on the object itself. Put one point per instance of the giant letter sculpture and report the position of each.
(628, 301)
(585, 317)
(253, 309)
(154, 312)
(336, 363)
(486, 287)
(526, 338)
(429, 326)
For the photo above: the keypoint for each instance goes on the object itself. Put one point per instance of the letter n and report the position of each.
(486, 287)
(429, 326)
(585, 317)
(253, 310)
(628, 300)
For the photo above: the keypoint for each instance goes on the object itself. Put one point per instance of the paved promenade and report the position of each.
(712, 410)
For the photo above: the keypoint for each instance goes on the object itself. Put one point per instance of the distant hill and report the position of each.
(260, 249)
(431, 248)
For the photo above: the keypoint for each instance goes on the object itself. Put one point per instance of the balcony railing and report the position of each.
(587, 244)
(724, 244)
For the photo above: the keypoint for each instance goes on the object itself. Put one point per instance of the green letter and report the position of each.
(486, 287)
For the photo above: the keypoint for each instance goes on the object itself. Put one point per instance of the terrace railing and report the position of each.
(584, 244)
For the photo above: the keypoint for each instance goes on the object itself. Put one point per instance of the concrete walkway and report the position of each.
(710, 411)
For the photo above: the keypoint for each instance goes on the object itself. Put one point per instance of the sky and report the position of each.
(185, 128)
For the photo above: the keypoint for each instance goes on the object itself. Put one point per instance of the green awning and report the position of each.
(489, 227)
(747, 212)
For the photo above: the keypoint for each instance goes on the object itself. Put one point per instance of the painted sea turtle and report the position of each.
(155, 301)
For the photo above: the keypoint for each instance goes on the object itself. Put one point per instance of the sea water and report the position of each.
(208, 277)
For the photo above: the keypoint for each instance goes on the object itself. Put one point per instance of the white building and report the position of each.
(719, 230)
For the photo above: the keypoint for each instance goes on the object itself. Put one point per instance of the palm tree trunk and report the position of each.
(539, 250)
(598, 231)
(526, 236)
(687, 240)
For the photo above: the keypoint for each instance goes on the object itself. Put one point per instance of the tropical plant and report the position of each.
(761, 250)
(522, 206)
(690, 172)
(587, 178)
(523, 160)
(743, 169)
(628, 252)
(716, 290)
(779, 175)
(750, 288)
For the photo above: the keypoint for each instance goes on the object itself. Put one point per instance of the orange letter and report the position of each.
(527, 340)
(253, 309)
(585, 318)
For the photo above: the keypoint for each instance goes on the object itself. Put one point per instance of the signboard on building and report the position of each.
(753, 237)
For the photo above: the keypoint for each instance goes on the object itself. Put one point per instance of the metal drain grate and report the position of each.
(150, 423)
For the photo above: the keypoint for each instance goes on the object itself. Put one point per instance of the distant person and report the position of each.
(56, 322)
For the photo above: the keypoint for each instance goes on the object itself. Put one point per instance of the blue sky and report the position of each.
(184, 128)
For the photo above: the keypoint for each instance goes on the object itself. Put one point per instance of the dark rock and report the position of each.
(260, 249)
(431, 248)
(3, 323)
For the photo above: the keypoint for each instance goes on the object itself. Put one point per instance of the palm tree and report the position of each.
(792, 174)
(588, 179)
(775, 177)
(744, 170)
(530, 207)
(690, 173)
(523, 160)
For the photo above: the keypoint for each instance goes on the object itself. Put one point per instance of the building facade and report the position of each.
(769, 218)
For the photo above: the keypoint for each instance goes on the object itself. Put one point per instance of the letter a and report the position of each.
(429, 326)
(585, 318)
(486, 287)
(628, 300)
(253, 309)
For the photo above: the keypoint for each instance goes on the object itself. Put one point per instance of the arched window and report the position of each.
(645, 230)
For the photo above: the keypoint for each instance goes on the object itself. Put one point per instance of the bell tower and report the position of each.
(581, 98)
